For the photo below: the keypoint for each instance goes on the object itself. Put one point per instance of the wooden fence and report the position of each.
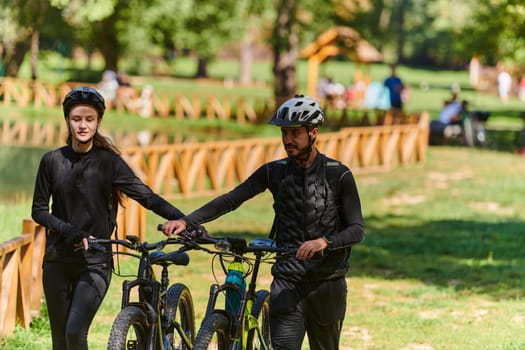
(21, 278)
(128, 99)
(198, 169)
(23, 133)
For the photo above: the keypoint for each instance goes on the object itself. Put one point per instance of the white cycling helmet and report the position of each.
(299, 111)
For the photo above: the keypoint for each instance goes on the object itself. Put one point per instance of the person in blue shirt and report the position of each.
(395, 86)
(449, 120)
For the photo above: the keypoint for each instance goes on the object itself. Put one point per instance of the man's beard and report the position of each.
(302, 153)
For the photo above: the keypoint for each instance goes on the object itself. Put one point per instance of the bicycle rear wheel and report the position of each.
(261, 311)
(129, 330)
(179, 309)
(213, 333)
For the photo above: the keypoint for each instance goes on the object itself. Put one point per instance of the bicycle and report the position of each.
(474, 132)
(244, 321)
(163, 317)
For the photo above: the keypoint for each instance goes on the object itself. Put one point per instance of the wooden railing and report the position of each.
(23, 133)
(36, 93)
(21, 278)
(197, 169)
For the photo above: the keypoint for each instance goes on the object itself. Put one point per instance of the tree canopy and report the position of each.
(441, 33)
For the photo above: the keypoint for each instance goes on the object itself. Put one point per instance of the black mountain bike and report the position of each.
(243, 322)
(162, 316)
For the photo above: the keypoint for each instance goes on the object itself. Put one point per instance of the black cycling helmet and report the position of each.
(84, 95)
(299, 111)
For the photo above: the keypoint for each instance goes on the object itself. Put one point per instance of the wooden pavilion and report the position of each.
(340, 40)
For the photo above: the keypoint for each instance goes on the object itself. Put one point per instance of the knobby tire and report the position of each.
(129, 330)
(179, 309)
(213, 333)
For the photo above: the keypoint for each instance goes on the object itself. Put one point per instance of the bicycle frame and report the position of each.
(149, 294)
(243, 321)
(152, 293)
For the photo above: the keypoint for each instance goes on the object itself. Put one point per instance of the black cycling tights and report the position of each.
(315, 308)
(73, 294)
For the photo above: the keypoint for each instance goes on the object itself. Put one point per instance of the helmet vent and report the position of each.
(299, 111)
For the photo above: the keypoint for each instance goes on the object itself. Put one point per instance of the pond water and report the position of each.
(18, 167)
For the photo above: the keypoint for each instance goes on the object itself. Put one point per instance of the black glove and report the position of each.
(94, 247)
(76, 236)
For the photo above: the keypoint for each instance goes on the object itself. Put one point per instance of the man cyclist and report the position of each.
(318, 211)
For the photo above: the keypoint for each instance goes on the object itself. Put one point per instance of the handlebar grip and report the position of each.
(159, 227)
(95, 247)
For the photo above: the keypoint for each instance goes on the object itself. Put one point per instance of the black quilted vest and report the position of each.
(306, 205)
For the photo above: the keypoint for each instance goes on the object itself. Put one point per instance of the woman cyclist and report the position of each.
(85, 180)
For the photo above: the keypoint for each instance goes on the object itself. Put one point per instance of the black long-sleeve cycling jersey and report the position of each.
(81, 188)
(304, 211)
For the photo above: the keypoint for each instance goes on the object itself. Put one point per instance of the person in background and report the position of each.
(318, 212)
(504, 83)
(108, 86)
(395, 86)
(322, 87)
(449, 119)
(85, 181)
(123, 79)
(145, 102)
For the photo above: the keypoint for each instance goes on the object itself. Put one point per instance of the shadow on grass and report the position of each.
(469, 256)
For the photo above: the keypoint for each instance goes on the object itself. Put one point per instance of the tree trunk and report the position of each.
(285, 48)
(14, 61)
(34, 54)
(246, 57)
(202, 68)
(400, 32)
(2, 60)
(109, 44)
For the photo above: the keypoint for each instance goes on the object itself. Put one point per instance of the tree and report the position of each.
(201, 27)
(256, 16)
(285, 43)
(496, 32)
(98, 21)
(210, 26)
(21, 21)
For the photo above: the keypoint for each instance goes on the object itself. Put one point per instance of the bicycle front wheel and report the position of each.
(259, 337)
(213, 333)
(129, 330)
(179, 309)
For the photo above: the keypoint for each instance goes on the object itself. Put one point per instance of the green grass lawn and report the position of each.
(442, 266)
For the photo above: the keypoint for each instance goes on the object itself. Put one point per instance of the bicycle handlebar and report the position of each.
(158, 257)
(195, 238)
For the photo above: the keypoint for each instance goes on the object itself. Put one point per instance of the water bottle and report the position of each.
(235, 276)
